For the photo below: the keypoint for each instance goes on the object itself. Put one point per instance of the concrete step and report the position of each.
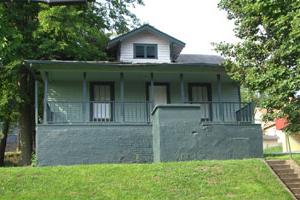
(284, 171)
(287, 174)
(290, 175)
(280, 166)
(276, 162)
(293, 185)
(296, 190)
(290, 180)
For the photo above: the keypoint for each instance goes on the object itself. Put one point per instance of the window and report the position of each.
(145, 51)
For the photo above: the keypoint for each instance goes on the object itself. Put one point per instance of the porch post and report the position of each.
(36, 102)
(122, 96)
(219, 88)
(182, 89)
(152, 90)
(84, 98)
(45, 120)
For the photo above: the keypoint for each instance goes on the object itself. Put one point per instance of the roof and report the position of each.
(270, 137)
(199, 59)
(60, 64)
(143, 28)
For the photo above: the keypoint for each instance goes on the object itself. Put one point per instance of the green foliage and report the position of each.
(201, 180)
(267, 58)
(69, 33)
(33, 160)
(38, 31)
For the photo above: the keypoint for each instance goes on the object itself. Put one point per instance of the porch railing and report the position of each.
(140, 112)
(98, 111)
(226, 111)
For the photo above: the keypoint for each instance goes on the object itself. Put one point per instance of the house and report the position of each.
(152, 104)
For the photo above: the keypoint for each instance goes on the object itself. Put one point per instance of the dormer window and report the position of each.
(145, 51)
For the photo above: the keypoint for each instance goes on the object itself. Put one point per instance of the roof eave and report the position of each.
(143, 28)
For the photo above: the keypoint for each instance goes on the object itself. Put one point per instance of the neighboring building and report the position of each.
(273, 137)
(151, 104)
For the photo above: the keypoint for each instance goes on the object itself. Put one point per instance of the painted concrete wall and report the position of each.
(163, 48)
(86, 144)
(178, 135)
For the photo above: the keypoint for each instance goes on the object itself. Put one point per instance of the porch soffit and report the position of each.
(46, 65)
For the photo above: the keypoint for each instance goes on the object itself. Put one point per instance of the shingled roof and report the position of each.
(199, 59)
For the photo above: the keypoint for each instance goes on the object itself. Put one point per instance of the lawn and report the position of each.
(295, 157)
(233, 179)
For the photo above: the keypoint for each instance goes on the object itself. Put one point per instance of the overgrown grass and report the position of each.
(209, 180)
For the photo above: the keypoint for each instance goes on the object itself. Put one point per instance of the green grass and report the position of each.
(270, 150)
(209, 180)
(295, 157)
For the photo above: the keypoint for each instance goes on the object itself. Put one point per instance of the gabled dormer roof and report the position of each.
(175, 45)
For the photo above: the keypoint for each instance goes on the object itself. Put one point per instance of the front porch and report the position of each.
(105, 97)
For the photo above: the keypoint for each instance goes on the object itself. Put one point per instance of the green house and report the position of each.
(152, 104)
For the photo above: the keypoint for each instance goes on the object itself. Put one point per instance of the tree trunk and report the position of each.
(26, 120)
(5, 129)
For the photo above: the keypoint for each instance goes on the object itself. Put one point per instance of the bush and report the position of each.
(12, 158)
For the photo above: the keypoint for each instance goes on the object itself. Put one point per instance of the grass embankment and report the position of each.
(234, 179)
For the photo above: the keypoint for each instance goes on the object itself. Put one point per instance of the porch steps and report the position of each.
(288, 172)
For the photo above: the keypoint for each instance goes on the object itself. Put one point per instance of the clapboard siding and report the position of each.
(163, 48)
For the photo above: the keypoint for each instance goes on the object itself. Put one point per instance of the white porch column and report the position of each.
(182, 95)
(45, 120)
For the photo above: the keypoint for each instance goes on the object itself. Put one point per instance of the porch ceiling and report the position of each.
(42, 65)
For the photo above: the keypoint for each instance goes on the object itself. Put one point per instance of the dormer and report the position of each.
(145, 45)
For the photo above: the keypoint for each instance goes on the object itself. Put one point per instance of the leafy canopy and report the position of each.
(39, 31)
(267, 58)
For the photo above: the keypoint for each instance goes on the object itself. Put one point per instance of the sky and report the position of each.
(198, 23)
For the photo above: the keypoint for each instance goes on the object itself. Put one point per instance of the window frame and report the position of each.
(145, 50)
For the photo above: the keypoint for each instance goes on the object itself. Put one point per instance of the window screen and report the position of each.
(145, 51)
(139, 51)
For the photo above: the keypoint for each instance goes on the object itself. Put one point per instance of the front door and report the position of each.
(102, 101)
(160, 93)
(200, 93)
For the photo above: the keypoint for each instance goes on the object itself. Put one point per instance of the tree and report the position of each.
(8, 111)
(38, 31)
(267, 57)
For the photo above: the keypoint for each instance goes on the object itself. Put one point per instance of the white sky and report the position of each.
(198, 23)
